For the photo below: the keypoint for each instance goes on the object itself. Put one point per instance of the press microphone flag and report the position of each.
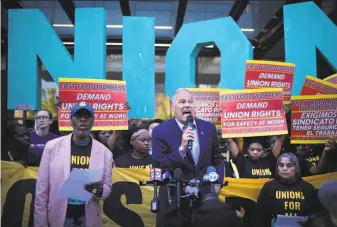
(155, 174)
(211, 175)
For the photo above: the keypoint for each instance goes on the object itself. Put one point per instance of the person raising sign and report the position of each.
(254, 164)
(288, 194)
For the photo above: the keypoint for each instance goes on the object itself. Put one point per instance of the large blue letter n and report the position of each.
(306, 27)
(30, 35)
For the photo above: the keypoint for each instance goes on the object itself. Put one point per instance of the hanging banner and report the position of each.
(107, 97)
(332, 79)
(255, 112)
(315, 86)
(128, 204)
(207, 105)
(270, 74)
(313, 119)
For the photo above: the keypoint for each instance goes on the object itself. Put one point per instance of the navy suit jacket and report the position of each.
(166, 139)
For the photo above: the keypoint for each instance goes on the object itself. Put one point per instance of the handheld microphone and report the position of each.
(190, 121)
(155, 176)
(178, 175)
(211, 176)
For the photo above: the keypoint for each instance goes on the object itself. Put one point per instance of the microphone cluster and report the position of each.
(189, 189)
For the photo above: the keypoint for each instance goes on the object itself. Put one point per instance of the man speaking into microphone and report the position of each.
(190, 145)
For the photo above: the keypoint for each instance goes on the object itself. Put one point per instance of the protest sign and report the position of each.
(255, 112)
(315, 86)
(207, 105)
(270, 74)
(332, 79)
(107, 97)
(313, 119)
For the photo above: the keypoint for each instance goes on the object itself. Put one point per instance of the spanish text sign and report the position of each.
(107, 97)
(270, 74)
(313, 119)
(207, 104)
(315, 86)
(247, 113)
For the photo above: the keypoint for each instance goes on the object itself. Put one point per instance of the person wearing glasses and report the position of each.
(40, 136)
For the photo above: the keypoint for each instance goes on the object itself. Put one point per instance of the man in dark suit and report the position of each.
(169, 149)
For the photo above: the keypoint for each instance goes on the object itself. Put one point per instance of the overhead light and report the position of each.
(162, 44)
(114, 44)
(68, 43)
(156, 27)
(112, 26)
(63, 25)
(247, 29)
(120, 44)
(163, 27)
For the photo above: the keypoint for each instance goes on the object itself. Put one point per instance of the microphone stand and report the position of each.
(178, 201)
(154, 202)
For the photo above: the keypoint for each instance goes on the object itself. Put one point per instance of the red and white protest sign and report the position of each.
(270, 74)
(313, 119)
(315, 86)
(107, 97)
(247, 113)
(207, 104)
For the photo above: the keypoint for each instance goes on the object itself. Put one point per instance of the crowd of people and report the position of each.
(163, 144)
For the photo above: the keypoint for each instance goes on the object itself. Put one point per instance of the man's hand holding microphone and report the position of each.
(187, 137)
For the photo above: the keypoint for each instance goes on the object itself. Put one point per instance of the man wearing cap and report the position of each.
(60, 156)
